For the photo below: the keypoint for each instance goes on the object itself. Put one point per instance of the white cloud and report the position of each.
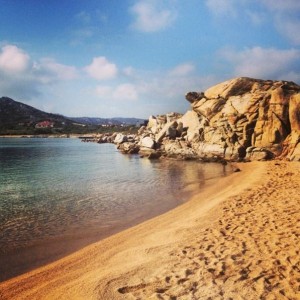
(55, 71)
(13, 59)
(182, 70)
(151, 16)
(263, 63)
(101, 69)
(20, 77)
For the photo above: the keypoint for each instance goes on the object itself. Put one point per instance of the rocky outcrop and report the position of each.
(247, 117)
(120, 138)
(239, 119)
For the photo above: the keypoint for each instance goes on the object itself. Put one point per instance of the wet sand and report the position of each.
(239, 239)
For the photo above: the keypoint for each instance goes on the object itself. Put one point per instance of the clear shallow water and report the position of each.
(57, 195)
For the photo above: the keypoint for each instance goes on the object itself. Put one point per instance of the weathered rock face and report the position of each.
(129, 148)
(120, 138)
(147, 142)
(245, 112)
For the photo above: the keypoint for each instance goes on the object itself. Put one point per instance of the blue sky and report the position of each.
(134, 58)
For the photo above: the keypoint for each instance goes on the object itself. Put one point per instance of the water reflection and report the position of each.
(54, 189)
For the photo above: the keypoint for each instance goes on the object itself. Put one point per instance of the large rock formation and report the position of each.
(246, 116)
(238, 119)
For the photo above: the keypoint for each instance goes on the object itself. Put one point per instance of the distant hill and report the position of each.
(20, 118)
(14, 113)
(108, 121)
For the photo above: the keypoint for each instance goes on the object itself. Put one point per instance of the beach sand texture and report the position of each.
(239, 239)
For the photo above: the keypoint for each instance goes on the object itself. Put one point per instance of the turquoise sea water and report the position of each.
(57, 195)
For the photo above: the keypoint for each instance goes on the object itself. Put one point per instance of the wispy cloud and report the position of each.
(126, 91)
(282, 5)
(86, 26)
(165, 89)
(221, 7)
(265, 63)
(80, 35)
(152, 15)
(128, 71)
(21, 77)
(182, 70)
(284, 14)
(286, 18)
(51, 70)
(256, 18)
(289, 27)
(83, 17)
(237, 9)
(122, 92)
(101, 69)
(169, 88)
(103, 91)
(83, 33)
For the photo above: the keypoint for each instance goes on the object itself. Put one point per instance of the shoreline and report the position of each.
(17, 258)
(36, 136)
(204, 248)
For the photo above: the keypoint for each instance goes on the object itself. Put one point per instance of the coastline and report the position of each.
(44, 242)
(238, 240)
(24, 136)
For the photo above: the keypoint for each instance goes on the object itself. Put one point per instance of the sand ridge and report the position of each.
(239, 240)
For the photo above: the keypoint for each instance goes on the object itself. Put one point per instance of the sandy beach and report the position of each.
(239, 239)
